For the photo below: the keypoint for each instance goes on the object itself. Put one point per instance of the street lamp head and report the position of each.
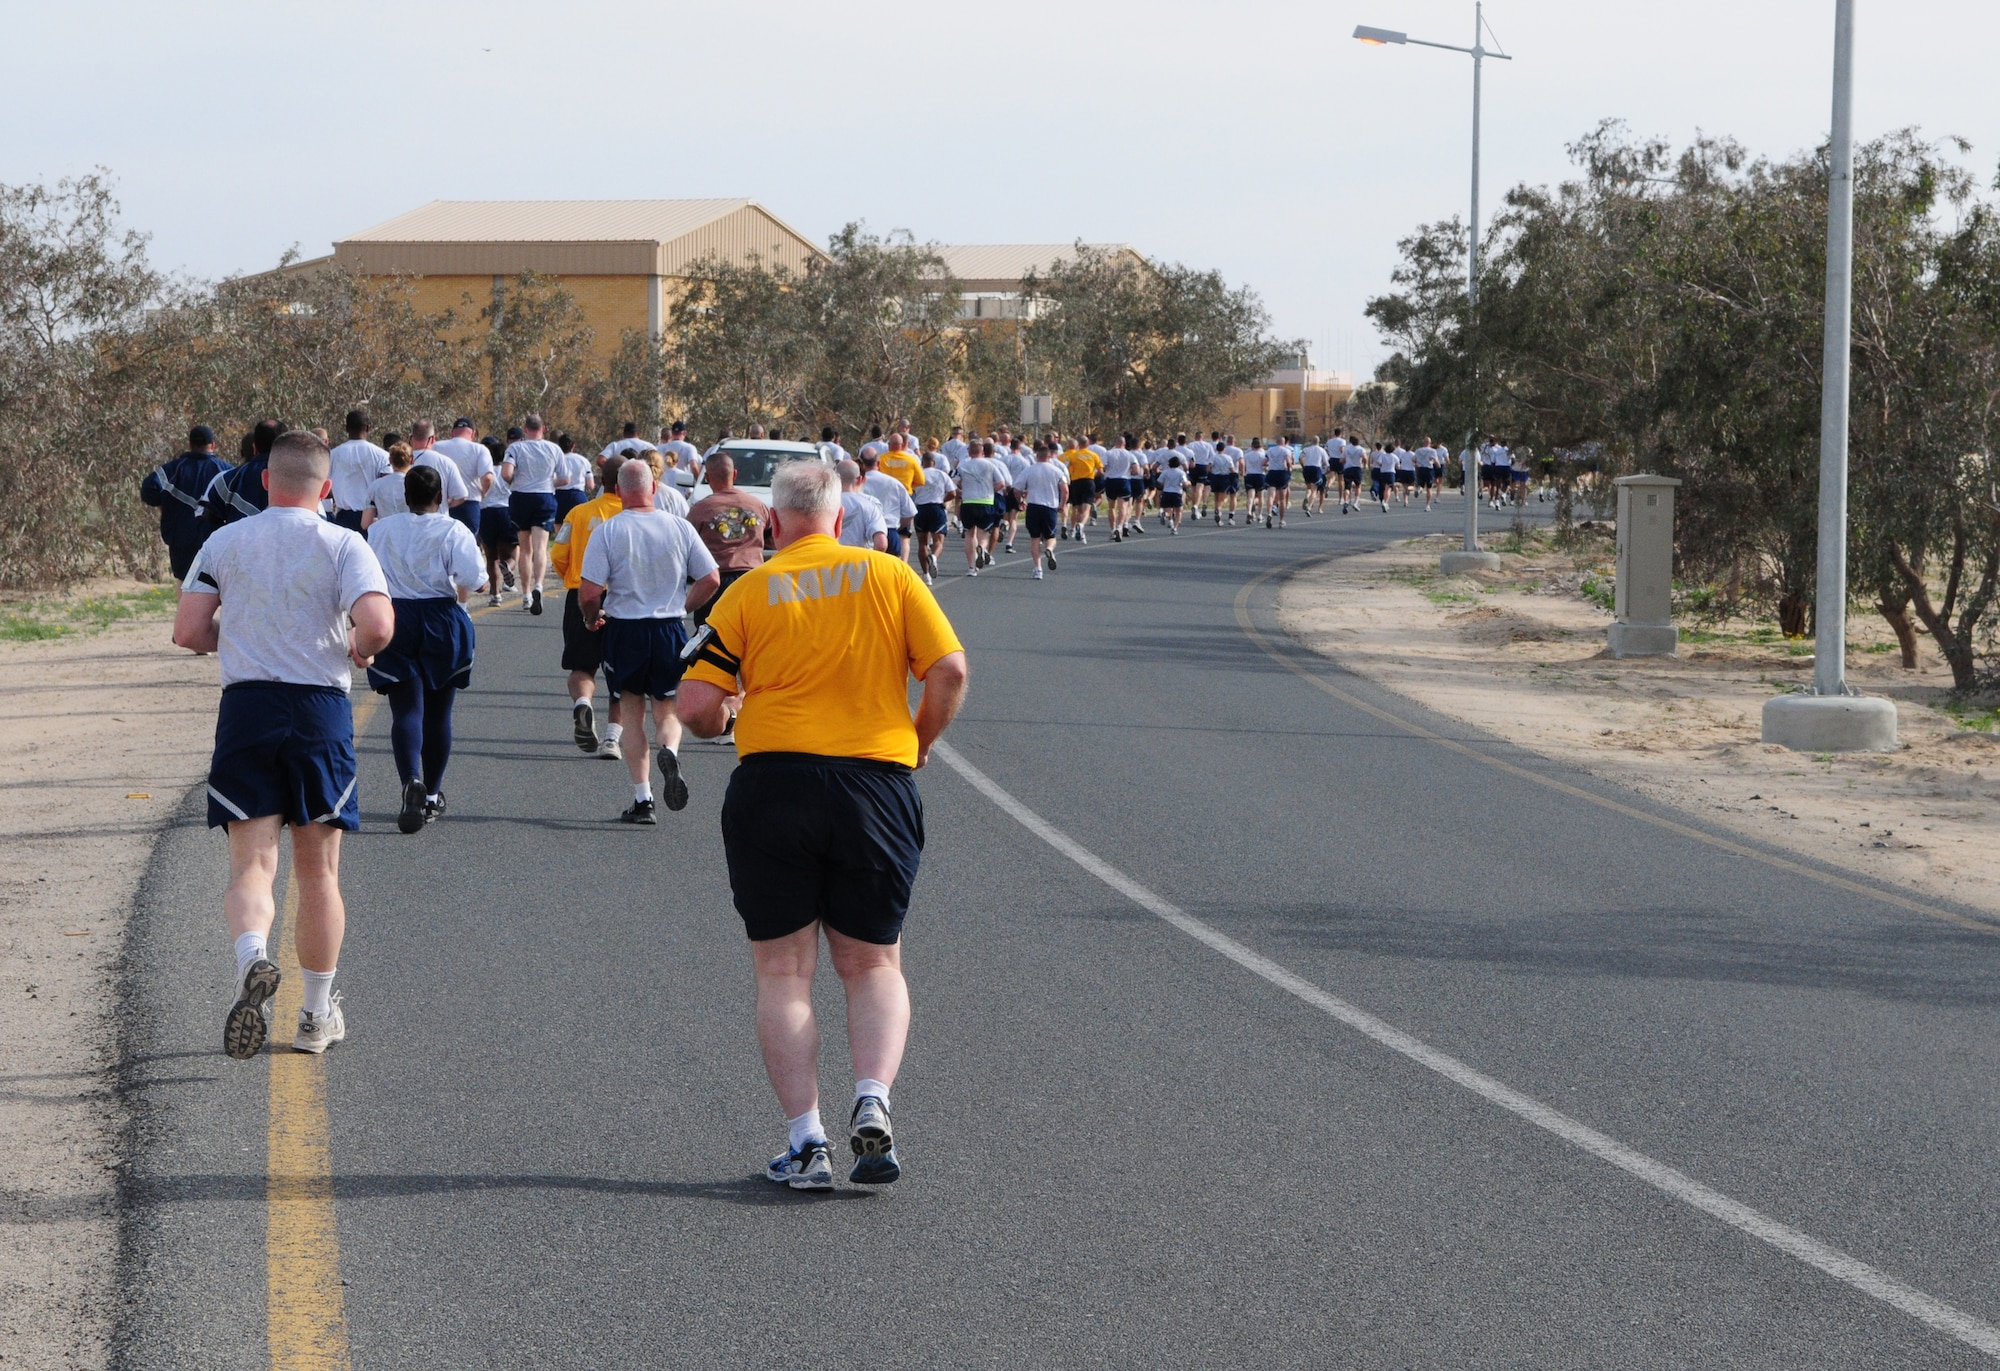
(1377, 37)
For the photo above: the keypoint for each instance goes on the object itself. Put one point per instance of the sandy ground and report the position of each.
(1520, 654)
(100, 736)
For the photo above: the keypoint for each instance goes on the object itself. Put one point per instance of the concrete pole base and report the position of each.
(1831, 723)
(1644, 640)
(1458, 563)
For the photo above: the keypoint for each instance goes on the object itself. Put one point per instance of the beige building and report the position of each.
(619, 259)
(989, 275)
(1296, 401)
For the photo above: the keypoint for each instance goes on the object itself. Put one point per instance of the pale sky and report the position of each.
(1255, 136)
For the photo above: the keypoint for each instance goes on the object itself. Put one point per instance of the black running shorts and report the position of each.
(833, 839)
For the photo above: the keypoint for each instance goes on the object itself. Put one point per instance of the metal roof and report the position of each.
(573, 237)
(999, 267)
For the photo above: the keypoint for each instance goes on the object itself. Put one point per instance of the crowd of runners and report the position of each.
(308, 560)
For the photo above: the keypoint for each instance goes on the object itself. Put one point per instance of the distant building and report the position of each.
(1292, 401)
(989, 275)
(619, 259)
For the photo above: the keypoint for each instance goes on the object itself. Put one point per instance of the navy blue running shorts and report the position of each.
(496, 532)
(1044, 521)
(283, 749)
(930, 518)
(832, 839)
(643, 656)
(532, 509)
(1279, 480)
(977, 514)
(1170, 499)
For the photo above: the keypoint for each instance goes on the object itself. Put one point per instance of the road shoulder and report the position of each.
(101, 735)
(1520, 654)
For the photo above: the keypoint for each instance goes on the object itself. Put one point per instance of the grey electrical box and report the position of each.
(1644, 603)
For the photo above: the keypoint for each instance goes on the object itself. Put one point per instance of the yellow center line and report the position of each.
(1243, 621)
(306, 1318)
(305, 1312)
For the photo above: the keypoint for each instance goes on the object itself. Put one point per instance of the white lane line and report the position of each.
(1936, 1313)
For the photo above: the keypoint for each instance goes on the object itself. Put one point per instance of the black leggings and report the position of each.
(420, 731)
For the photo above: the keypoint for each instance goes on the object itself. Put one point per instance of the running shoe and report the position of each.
(610, 751)
(507, 575)
(434, 808)
(412, 817)
(972, 571)
(318, 1032)
(872, 1143)
(641, 812)
(725, 739)
(1174, 531)
(1082, 537)
(1116, 536)
(584, 723)
(1038, 573)
(1267, 521)
(673, 790)
(1010, 549)
(1134, 528)
(243, 1032)
(536, 606)
(808, 1168)
(527, 604)
(493, 601)
(1050, 555)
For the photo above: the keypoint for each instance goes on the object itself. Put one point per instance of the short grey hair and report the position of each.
(635, 478)
(850, 473)
(806, 488)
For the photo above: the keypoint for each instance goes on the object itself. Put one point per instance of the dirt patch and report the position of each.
(1520, 653)
(102, 730)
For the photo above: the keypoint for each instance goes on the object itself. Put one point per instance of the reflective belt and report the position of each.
(170, 488)
(241, 505)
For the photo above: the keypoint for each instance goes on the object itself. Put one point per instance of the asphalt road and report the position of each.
(1121, 1148)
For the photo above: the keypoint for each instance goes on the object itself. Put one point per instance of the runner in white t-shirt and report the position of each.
(1313, 463)
(1044, 488)
(982, 485)
(1278, 482)
(1225, 478)
(933, 495)
(1009, 453)
(530, 471)
(1173, 492)
(1119, 466)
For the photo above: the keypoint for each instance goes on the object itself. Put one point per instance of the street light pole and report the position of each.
(1830, 718)
(1470, 557)
(1830, 598)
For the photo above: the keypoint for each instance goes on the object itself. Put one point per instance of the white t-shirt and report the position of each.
(625, 445)
(937, 484)
(473, 461)
(686, 451)
(1280, 456)
(670, 500)
(287, 579)
(386, 495)
(1426, 458)
(1384, 460)
(573, 472)
(1201, 451)
(534, 461)
(355, 464)
(1353, 455)
(1221, 464)
(1173, 479)
(861, 519)
(497, 493)
(978, 478)
(1120, 464)
(1312, 455)
(891, 495)
(454, 485)
(1042, 484)
(954, 451)
(874, 448)
(1256, 461)
(1405, 459)
(644, 559)
(425, 556)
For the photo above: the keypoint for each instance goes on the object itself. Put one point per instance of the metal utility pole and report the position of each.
(1470, 556)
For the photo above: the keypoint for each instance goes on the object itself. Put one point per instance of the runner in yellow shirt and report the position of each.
(1084, 465)
(583, 652)
(903, 464)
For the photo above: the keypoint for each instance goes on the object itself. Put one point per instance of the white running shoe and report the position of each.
(610, 751)
(1082, 537)
(493, 602)
(972, 571)
(809, 1168)
(318, 1032)
(1038, 573)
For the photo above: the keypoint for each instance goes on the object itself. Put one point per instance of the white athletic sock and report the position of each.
(642, 791)
(433, 799)
(869, 1086)
(574, 703)
(806, 1128)
(670, 749)
(319, 992)
(613, 732)
(249, 947)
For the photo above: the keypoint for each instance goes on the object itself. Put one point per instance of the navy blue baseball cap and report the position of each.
(201, 435)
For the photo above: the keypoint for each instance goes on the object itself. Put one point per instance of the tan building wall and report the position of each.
(610, 304)
(1274, 411)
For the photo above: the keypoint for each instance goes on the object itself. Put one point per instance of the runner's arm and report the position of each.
(703, 708)
(374, 625)
(944, 692)
(590, 603)
(194, 621)
(702, 591)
